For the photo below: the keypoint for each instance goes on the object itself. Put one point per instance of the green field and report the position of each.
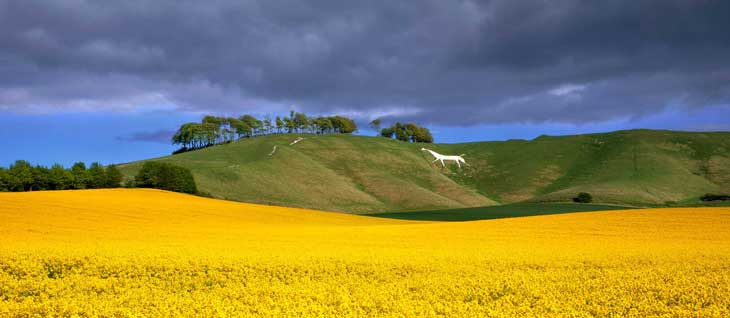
(371, 174)
(498, 211)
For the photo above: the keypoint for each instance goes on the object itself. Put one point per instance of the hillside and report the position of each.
(372, 174)
(330, 172)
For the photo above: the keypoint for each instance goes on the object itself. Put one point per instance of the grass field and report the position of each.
(498, 211)
(368, 174)
(148, 253)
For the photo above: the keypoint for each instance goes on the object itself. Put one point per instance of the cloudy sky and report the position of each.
(108, 81)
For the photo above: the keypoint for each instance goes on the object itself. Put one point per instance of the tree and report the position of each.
(113, 177)
(188, 135)
(409, 132)
(279, 124)
(227, 130)
(401, 132)
(422, 134)
(4, 180)
(239, 127)
(212, 128)
(165, 176)
(289, 124)
(235, 126)
(251, 122)
(583, 197)
(209, 133)
(59, 178)
(375, 125)
(411, 129)
(324, 125)
(78, 170)
(300, 121)
(313, 125)
(343, 125)
(21, 176)
(266, 124)
(244, 130)
(96, 176)
(40, 178)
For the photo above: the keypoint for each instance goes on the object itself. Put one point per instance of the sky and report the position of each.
(110, 81)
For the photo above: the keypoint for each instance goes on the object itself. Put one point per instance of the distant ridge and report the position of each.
(373, 174)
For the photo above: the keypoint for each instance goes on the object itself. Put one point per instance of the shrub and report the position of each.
(165, 176)
(715, 197)
(583, 197)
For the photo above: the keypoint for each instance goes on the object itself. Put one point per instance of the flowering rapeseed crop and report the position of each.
(147, 253)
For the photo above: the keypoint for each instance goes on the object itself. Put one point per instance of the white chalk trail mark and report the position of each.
(296, 141)
(273, 151)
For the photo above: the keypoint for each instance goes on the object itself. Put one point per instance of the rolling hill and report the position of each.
(371, 174)
(151, 253)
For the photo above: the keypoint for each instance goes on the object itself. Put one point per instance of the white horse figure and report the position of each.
(439, 157)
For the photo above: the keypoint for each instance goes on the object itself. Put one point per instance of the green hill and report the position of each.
(373, 174)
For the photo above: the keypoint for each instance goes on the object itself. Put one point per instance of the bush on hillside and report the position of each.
(715, 197)
(165, 176)
(583, 197)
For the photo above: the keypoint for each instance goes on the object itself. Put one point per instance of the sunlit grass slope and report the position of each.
(334, 173)
(635, 167)
(131, 253)
(373, 174)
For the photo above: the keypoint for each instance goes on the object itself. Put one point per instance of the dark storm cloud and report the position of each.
(437, 61)
(161, 136)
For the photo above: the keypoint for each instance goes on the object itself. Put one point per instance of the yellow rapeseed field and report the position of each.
(148, 253)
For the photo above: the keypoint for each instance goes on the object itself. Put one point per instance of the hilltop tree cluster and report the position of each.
(22, 176)
(214, 130)
(409, 132)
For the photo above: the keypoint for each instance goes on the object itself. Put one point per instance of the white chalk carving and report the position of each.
(296, 141)
(273, 151)
(439, 157)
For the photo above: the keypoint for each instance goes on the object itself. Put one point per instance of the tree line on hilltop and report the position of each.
(213, 130)
(22, 176)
